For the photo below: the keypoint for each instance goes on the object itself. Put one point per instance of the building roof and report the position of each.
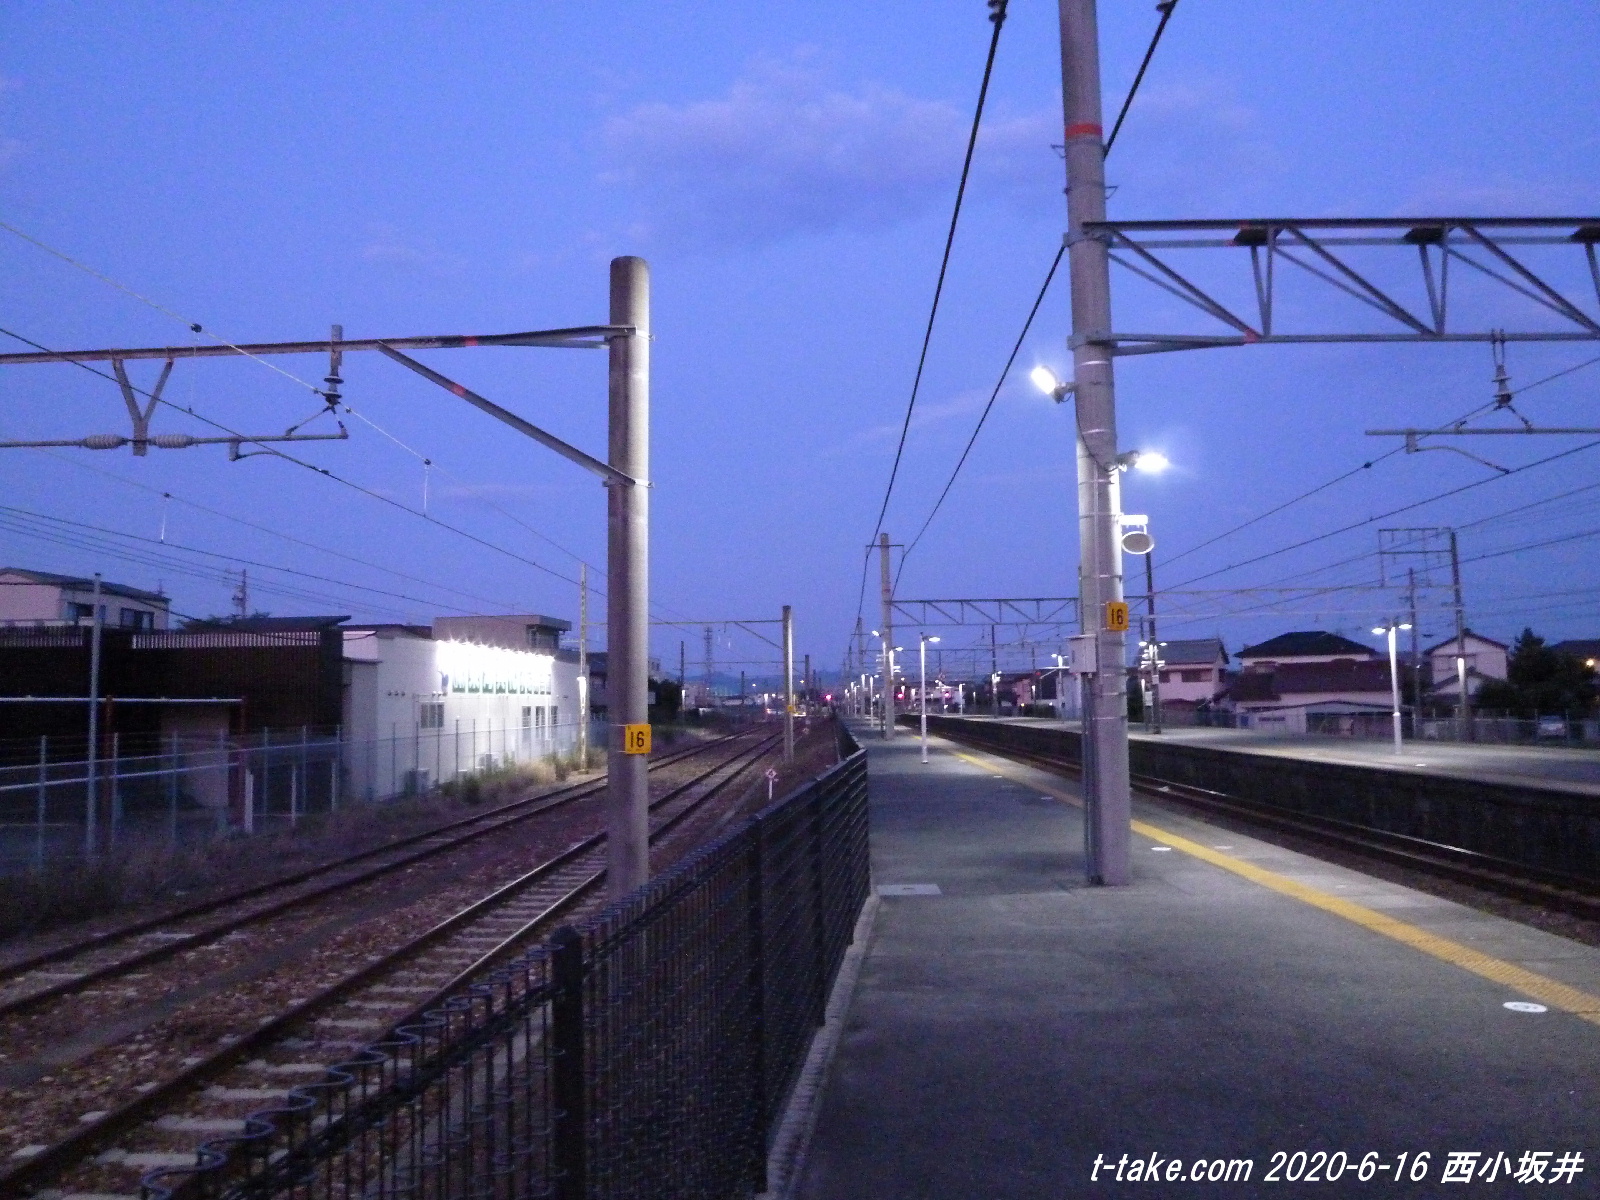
(1300, 679)
(1477, 637)
(268, 624)
(1305, 643)
(1205, 651)
(77, 583)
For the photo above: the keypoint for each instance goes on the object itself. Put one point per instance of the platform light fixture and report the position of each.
(1390, 631)
(1045, 380)
(922, 689)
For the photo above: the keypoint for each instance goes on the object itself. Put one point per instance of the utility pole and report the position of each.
(1155, 644)
(1461, 642)
(807, 687)
(1108, 811)
(886, 587)
(92, 759)
(241, 597)
(788, 684)
(1416, 653)
(681, 675)
(628, 590)
(583, 664)
(709, 667)
(994, 675)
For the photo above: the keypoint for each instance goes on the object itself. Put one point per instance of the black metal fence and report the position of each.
(642, 1055)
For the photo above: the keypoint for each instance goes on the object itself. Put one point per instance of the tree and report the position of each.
(1540, 680)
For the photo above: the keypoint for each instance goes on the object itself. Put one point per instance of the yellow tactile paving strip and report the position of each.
(1547, 991)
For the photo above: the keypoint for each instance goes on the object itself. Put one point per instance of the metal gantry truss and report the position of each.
(935, 614)
(1405, 276)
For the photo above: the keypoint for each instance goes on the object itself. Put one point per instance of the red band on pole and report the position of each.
(1084, 129)
(469, 341)
(458, 389)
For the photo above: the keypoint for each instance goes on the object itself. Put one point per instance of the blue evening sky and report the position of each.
(402, 168)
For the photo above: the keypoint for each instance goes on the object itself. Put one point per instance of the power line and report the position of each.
(1392, 512)
(1005, 371)
(997, 16)
(215, 512)
(28, 514)
(271, 450)
(1165, 8)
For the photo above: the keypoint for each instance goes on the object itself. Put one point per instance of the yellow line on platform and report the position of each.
(1542, 988)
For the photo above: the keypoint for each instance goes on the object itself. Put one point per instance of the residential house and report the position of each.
(1193, 671)
(42, 599)
(1486, 659)
(1310, 681)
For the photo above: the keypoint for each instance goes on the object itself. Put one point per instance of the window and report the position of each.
(80, 612)
(527, 717)
(430, 715)
(1192, 676)
(136, 618)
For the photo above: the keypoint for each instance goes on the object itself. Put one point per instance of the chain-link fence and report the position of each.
(187, 788)
(641, 1056)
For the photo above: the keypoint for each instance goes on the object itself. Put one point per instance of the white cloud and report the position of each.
(389, 248)
(785, 152)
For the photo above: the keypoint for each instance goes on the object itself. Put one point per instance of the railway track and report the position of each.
(294, 1039)
(29, 983)
(1499, 876)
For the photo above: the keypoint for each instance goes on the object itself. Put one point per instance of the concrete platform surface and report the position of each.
(1562, 768)
(1015, 1033)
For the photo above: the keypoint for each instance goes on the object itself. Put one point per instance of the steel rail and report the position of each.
(61, 1156)
(488, 822)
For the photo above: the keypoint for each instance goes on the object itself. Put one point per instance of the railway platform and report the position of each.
(1241, 1020)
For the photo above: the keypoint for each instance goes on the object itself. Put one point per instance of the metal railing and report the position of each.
(644, 1054)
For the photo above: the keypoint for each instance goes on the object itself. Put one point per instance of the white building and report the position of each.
(41, 598)
(423, 705)
(1486, 659)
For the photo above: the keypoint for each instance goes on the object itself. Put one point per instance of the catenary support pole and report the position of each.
(583, 666)
(628, 578)
(1155, 644)
(1100, 552)
(788, 684)
(1466, 731)
(91, 809)
(1416, 654)
(886, 589)
(922, 691)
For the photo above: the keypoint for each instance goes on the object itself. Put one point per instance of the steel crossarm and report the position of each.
(1496, 248)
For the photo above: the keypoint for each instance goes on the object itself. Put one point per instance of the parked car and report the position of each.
(1550, 727)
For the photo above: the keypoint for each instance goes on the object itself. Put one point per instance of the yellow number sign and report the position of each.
(1116, 616)
(636, 739)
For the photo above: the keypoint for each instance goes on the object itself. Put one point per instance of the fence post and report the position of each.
(760, 1106)
(568, 1086)
(172, 789)
(116, 786)
(44, 774)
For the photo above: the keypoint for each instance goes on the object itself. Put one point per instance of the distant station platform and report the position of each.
(1559, 768)
(1241, 1020)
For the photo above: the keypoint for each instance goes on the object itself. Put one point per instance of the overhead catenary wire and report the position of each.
(299, 462)
(266, 529)
(997, 17)
(50, 520)
(1166, 9)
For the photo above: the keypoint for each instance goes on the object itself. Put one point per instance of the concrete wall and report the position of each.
(1543, 829)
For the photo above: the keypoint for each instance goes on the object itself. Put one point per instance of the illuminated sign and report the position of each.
(466, 668)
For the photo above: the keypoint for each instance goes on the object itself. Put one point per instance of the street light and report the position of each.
(1390, 630)
(922, 690)
(1151, 462)
(1045, 380)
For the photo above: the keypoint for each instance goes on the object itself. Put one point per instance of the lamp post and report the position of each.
(1391, 630)
(922, 686)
